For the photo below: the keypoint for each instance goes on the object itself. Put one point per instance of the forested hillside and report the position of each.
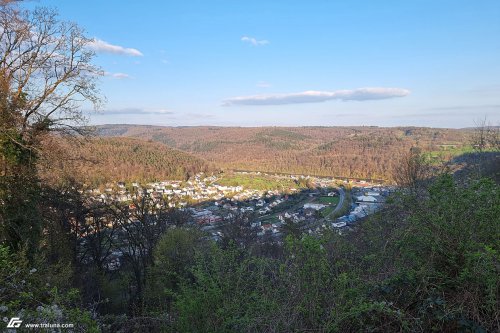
(368, 152)
(100, 160)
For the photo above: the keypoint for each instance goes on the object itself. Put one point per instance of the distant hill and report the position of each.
(337, 151)
(101, 160)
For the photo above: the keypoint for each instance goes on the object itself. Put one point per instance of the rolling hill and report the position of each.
(100, 160)
(367, 152)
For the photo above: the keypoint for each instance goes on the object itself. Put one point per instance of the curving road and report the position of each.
(341, 202)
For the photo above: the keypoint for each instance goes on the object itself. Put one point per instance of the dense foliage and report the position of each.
(429, 262)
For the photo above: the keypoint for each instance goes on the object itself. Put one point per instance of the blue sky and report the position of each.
(294, 63)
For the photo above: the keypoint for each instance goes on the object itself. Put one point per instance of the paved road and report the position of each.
(341, 202)
(338, 208)
(292, 209)
(318, 221)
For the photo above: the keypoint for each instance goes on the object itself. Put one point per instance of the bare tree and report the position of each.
(412, 169)
(485, 136)
(237, 228)
(141, 226)
(485, 141)
(46, 74)
(6, 2)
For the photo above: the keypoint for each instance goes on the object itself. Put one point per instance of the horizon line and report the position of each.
(284, 126)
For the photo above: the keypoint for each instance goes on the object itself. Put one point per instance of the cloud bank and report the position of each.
(101, 46)
(254, 41)
(361, 94)
(130, 111)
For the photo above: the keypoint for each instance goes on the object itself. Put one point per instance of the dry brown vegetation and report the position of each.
(99, 160)
(366, 152)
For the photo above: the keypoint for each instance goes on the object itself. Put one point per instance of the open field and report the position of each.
(257, 182)
(328, 200)
(446, 152)
(327, 211)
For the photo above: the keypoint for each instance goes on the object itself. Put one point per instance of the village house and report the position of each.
(314, 206)
(366, 198)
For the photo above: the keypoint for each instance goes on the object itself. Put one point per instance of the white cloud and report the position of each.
(137, 111)
(162, 111)
(263, 84)
(201, 115)
(101, 46)
(118, 76)
(254, 41)
(361, 94)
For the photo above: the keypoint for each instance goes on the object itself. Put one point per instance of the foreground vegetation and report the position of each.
(427, 262)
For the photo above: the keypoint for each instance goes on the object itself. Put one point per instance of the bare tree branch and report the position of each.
(48, 69)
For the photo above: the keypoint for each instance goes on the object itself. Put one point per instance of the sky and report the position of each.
(294, 63)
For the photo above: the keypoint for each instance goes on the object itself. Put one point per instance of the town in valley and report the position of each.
(311, 204)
